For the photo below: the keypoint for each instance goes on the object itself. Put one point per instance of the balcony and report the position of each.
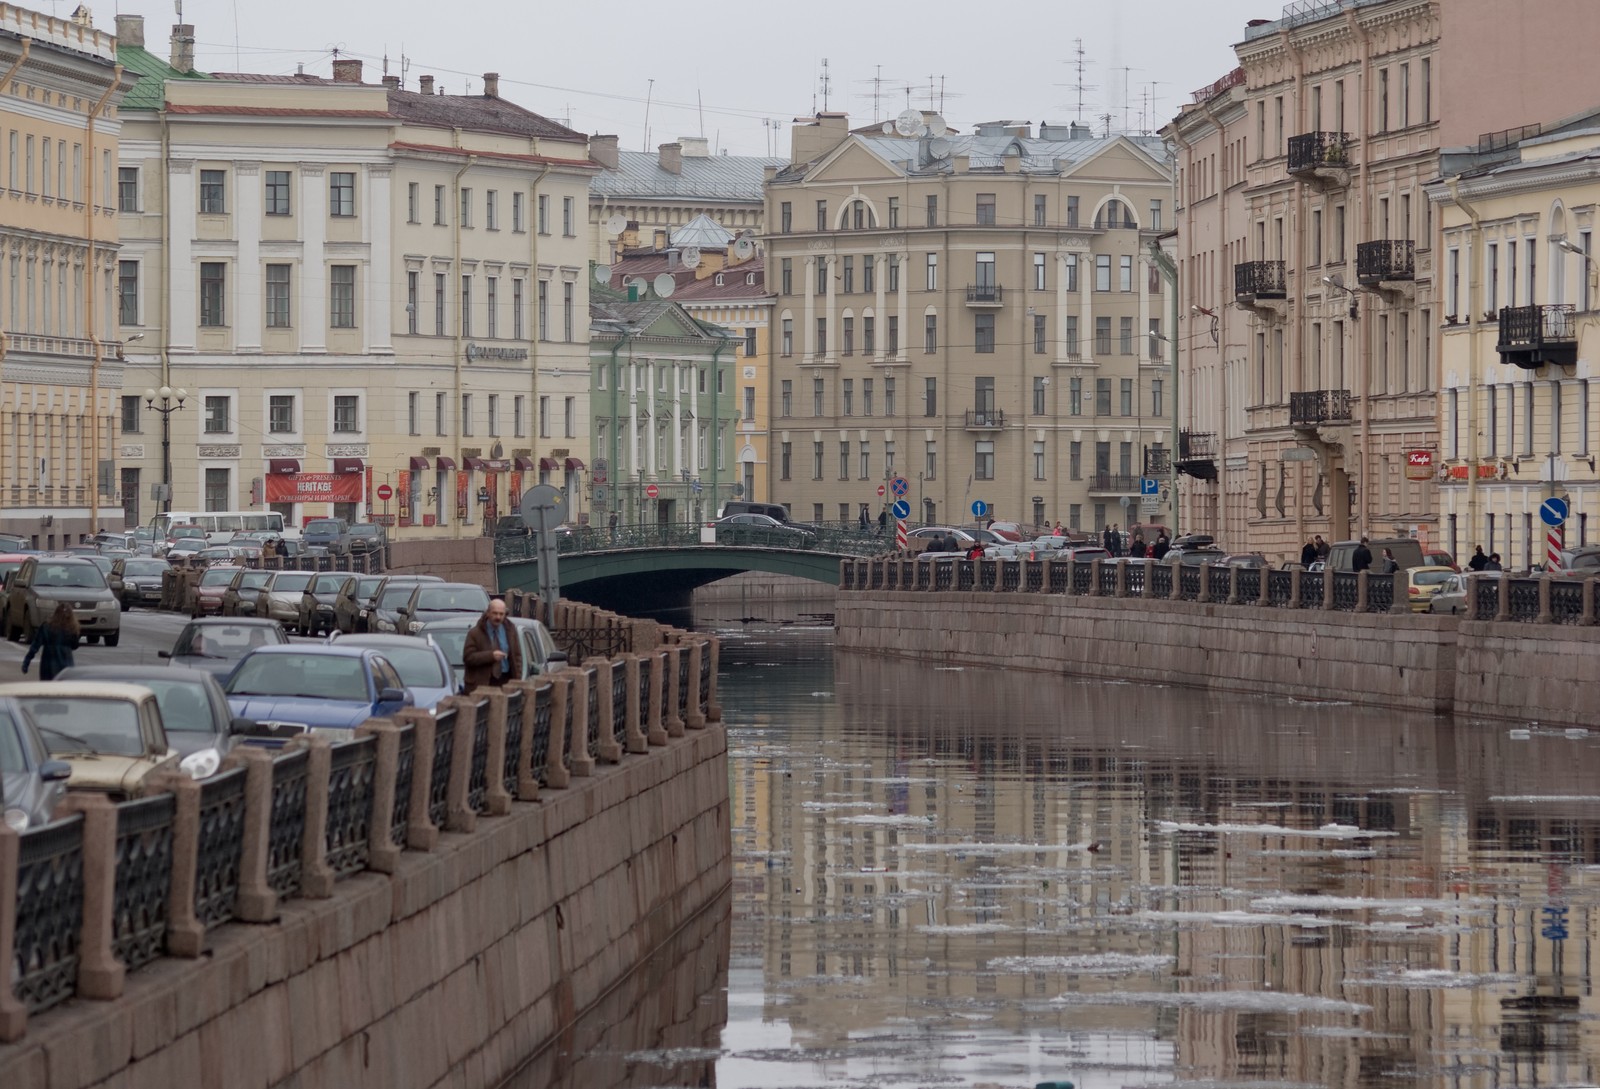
(1389, 264)
(1157, 461)
(1260, 286)
(1115, 483)
(1322, 158)
(1197, 454)
(1531, 336)
(1319, 407)
(980, 296)
(985, 419)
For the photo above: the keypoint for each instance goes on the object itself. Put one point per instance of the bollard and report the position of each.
(316, 876)
(257, 902)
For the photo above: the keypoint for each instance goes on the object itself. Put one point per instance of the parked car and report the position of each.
(31, 781)
(244, 592)
(1422, 583)
(42, 582)
(111, 735)
(383, 616)
(194, 710)
(1451, 596)
(539, 650)
(328, 688)
(216, 644)
(776, 511)
(1438, 559)
(354, 602)
(1081, 554)
(137, 581)
(10, 564)
(759, 529)
(10, 542)
(332, 534)
(279, 598)
(1407, 553)
(1010, 531)
(208, 592)
(315, 612)
(436, 600)
(421, 663)
(1583, 561)
(184, 550)
(1244, 559)
(367, 537)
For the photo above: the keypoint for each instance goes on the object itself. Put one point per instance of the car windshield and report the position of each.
(318, 676)
(322, 527)
(1585, 561)
(77, 575)
(184, 706)
(217, 576)
(365, 588)
(225, 640)
(144, 568)
(83, 724)
(418, 666)
(187, 531)
(252, 580)
(11, 757)
(453, 642)
(396, 595)
(1431, 576)
(456, 599)
(291, 582)
(327, 584)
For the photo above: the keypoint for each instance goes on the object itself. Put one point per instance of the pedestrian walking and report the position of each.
(54, 641)
(611, 524)
(491, 654)
(1362, 558)
(1138, 550)
(1479, 561)
(1390, 565)
(1058, 528)
(1308, 552)
(1161, 547)
(1494, 562)
(1323, 549)
(883, 521)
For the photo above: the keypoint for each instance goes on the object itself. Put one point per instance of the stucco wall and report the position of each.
(470, 559)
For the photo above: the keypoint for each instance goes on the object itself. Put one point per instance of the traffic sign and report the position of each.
(1149, 504)
(900, 533)
(979, 508)
(900, 485)
(385, 492)
(1553, 511)
(651, 491)
(901, 509)
(880, 491)
(694, 486)
(1149, 485)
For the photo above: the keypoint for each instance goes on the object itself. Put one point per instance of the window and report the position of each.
(786, 218)
(414, 412)
(1127, 397)
(438, 208)
(822, 337)
(894, 272)
(439, 414)
(983, 334)
(466, 208)
(519, 320)
(847, 389)
(341, 193)
(847, 331)
(128, 292)
(491, 209)
(1072, 211)
(1040, 218)
(569, 224)
(888, 396)
(1427, 90)
(213, 192)
(518, 213)
(785, 460)
(1102, 272)
(821, 285)
(868, 340)
(866, 461)
(1125, 273)
(850, 274)
(931, 267)
(858, 215)
(544, 214)
(930, 333)
(1072, 336)
(1075, 396)
(816, 461)
(213, 285)
(1491, 276)
(786, 346)
(1040, 385)
(346, 413)
(786, 398)
(1586, 244)
(1125, 336)
(280, 414)
(933, 210)
(866, 397)
(822, 215)
(1383, 100)
(1038, 461)
(342, 296)
(438, 305)
(569, 417)
(892, 346)
(1102, 396)
(278, 298)
(465, 317)
(466, 414)
(985, 210)
(930, 397)
(1039, 334)
(491, 300)
(749, 342)
(217, 413)
(786, 276)
(544, 310)
(930, 460)
(844, 460)
(127, 189)
(1102, 336)
(983, 460)
(1155, 215)
(894, 212)
(817, 390)
(1040, 281)
(544, 417)
(1075, 463)
(867, 268)
(217, 489)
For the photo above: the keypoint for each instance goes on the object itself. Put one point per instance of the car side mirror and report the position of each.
(163, 654)
(392, 695)
(55, 771)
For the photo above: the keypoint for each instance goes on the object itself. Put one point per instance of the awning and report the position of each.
(442, 462)
(283, 466)
(574, 465)
(342, 466)
(477, 465)
(419, 463)
(522, 464)
(549, 463)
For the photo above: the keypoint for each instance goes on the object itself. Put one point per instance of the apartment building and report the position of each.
(60, 93)
(356, 285)
(1520, 385)
(977, 313)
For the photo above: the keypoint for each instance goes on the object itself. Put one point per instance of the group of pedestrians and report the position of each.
(1480, 562)
(1313, 550)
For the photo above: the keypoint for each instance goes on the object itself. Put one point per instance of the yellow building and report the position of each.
(60, 87)
(1521, 410)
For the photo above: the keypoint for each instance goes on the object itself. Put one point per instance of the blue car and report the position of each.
(422, 665)
(332, 689)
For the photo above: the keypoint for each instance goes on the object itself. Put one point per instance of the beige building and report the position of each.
(975, 313)
(1521, 389)
(358, 285)
(60, 89)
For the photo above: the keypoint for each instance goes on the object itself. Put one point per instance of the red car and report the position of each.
(1440, 559)
(213, 584)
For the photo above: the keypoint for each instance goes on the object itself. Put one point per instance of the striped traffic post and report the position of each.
(1553, 513)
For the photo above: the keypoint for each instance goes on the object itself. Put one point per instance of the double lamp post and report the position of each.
(166, 395)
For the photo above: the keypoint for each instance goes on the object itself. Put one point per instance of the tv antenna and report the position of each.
(937, 94)
(824, 84)
(1126, 97)
(648, 95)
(1079, 63)
(878, 82)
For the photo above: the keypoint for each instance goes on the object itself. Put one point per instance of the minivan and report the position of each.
(1407, 553)
(776, 511)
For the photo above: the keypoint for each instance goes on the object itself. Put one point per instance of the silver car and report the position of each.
(42, 582)
(31, 783)
(280, 598)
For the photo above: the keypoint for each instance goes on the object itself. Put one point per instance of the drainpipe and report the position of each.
(1223, 315)
(1474, 358)
(533, 285)
(166, 279)
(455, 268)
(716, 424)
(1361, 337)
(5, 84)
(91, 291)
(1169, 273)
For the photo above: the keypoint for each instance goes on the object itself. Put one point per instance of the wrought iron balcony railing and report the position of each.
(1259, 280)
(1313, 151)
(1387, 259)
(1531, 336)
(1321, 406)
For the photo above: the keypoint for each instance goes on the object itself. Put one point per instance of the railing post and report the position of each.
(1294, 588)
(1094, 578)
(100, 973)
(605, 692)
(1327, 591)
(527, 782)
(637, 742)
(578, 699)
(496, 801)
(1264, 593)
(655, 729)
(186, 935)
(1544, 598)
(383, 854)
(421, 833)
(696, 716)
(1121, 589)
(714, 648)
(256, 903)
(1590, 587)
(459, 815)
(316, 876)
(1233, 585)
(556, 775)
(673, 721)
(1361, 589)
(1503, 593)
(1205, 584)
(13, 1014)
(1144, 584)
(1176, 591)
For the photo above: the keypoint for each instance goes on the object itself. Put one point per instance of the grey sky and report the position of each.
(591, 63)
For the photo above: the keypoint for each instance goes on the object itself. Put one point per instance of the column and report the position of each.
(180, 266)
(377, 322)
(1062, 352)
(831, 305)
(692, 436)
(1085, 301)
(902, 305)
(652, 412)
(247, 273)
(1141, 331)
(808, 334)
(881, 297)
(312, 294)
(632, 371)
(679, 462)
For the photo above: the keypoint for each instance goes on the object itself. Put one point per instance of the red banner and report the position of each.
(514, 492)
(403, 494)
(461, 496)
(491, 509)
(314, 487)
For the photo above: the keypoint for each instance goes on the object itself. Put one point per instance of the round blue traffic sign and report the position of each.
(900, 485)
(1553, 511)
(901, 509)
(979, 508)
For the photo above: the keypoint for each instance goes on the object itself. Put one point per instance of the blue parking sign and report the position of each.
(1149, 485)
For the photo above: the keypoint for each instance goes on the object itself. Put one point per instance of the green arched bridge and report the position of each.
(651, 568)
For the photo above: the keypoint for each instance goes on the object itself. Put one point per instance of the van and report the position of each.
(776, 511)
(1407, 553)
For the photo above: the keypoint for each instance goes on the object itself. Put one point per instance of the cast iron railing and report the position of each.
(49, 915)
(144, 880)
(351, 776)
(216, 883)
(444, 744)
(285, 837)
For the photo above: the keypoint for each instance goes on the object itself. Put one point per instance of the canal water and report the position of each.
(948, 877)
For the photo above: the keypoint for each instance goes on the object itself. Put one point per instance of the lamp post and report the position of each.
(166, 395)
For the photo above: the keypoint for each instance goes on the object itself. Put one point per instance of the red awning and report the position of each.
(521, 464)
(574, 465)
(283, 466)
(419, 463)
(477, 465)
(342, 466)
(442, 462)
(549, 463)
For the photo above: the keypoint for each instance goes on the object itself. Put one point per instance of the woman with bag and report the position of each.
(54, 641)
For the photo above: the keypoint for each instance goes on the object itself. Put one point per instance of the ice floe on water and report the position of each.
(884, 820)
(1383, 975)
(1290, 902)
(838, 805)
(965, 928)
(996, 848)
(1236, 918)
(1088, 964)
(1231, 1001)
(1586, 799)
(1327, 831)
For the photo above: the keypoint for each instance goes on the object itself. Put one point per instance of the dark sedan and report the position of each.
(216, 644)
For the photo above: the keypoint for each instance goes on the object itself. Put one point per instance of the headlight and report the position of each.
(17, 819)
(414, 627)
(385, 625)
(199, 765)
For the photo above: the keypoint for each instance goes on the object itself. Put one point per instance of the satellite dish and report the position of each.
(909, 123)
(939, 148)
(937, 125)
(602, 274)
(743, 248)
(615, 225)
(888, 128)
(665, 285)
(690, 257)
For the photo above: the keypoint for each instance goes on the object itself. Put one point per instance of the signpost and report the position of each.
(546, 507)
(385, 493)
(651, 491)
(900, 486)
(901, 509)
(979, 508)
(1553, 513)
(880, 491)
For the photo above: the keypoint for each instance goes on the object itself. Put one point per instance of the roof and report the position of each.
(104, 690)
(612, 314)
(687, 286)
(148, 93)
(639, 174)
(910, 155)
(704, 232)
(480, 113)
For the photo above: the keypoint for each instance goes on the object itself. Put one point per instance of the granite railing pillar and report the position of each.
(13, 1014)
(695, 716)
(1294, 588)
(578, 698)
(257, 902)
(656, 731)
(421, 833)
(1503, 605)
(605, 694)
(1544, 598)
(100, 973)
(1177, 582)
(186, 935)
(673, 719)
(1205, 583)
(714, 648)
(1121, 587)
(459, 815)
(1233, 586)
(1264, 595)
(556, 775)
(1591, 587)
(1144, 584)
(383, 854)
(496, 801)
(1361, 589)
(1327, 591)
(637, 742)
(527, 782)
(316, 876)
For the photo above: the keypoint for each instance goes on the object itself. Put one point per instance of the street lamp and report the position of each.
(166, 394)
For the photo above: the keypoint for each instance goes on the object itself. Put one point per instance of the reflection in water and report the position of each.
(963, 877)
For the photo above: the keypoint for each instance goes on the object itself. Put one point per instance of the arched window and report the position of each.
(1115, 214)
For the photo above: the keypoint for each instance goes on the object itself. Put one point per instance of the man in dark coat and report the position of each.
(1161, 547)
(1308, 553)
(1479, 561)
(1362, 559)
(491, 654)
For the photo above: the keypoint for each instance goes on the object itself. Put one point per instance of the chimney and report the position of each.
(603, 150)
(425, 85)
(695, 147)
(671, 158)
(491, 85)
(811, 138)
(392, 82)
(183, 47)
(130, 30)
(346, 70)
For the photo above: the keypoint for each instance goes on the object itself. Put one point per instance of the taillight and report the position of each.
(1414, 590)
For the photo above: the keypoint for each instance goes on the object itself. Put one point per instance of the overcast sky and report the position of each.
(591, 63)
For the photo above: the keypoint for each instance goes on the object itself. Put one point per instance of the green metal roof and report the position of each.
(153, 72)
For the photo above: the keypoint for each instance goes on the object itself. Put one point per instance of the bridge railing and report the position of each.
(843, 539)
(111, 887)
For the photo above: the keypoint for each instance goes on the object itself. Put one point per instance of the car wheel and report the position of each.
(91, 639)
(126, 605)
(113, 639)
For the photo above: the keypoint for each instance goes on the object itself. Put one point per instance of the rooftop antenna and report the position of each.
(1126, 97)
(878, 83)
(825, 84)
(385, 60)
(1078, 86)
(700, 109)
(1147, 123)
(648, 95)
(1105, 122)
